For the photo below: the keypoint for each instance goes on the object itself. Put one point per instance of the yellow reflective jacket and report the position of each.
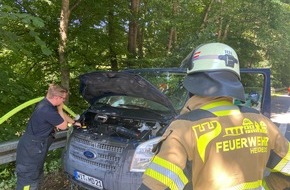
(215, 145)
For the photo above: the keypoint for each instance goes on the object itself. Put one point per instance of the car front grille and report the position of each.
(95, 163)
(107, 155)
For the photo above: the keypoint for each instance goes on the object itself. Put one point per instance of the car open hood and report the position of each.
(96, 85)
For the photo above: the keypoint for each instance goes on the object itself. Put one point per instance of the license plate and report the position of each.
(88, 180)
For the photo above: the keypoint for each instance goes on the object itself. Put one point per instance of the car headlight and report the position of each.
(143, 155)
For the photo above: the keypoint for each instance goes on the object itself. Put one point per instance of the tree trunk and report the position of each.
(171, 40)
(169, 45)
(220, 30)
(133, 30)
(111, 33)
(63, 28)
(223, 30)
(226, 31)
(172, 33)
(205, 18)
(141, 31)
(140, 40)
(63, 32)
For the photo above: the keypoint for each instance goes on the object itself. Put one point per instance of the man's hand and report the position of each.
(60, 107)
(77, 124)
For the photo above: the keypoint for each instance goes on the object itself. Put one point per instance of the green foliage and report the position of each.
(29, 33)
(14, 24)
(8, 184)
(7, 176)
(98, 33)
(53, 161)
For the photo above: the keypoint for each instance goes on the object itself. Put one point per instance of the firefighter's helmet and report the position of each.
(213, 70)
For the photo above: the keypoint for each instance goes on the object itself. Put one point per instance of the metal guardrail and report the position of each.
(8, 148)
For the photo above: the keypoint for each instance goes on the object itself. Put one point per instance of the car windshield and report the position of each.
(168, 82)
(131, 102)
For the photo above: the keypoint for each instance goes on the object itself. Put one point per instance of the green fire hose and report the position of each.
(26, 104)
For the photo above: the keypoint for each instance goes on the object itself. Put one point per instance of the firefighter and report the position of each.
(214, 144)
(35, 142)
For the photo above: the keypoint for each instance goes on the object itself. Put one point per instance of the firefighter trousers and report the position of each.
(30, 158)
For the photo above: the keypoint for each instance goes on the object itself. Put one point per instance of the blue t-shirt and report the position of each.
(43, 119)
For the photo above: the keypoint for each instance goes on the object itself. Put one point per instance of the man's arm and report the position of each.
(66, 119)
(64, 124)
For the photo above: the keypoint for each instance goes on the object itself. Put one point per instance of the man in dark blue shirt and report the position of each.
(35, 142)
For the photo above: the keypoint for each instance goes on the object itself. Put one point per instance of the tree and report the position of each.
(63, 31)
(40, 44)
(133, 30)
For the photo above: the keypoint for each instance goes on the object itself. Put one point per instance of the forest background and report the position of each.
(45, 41)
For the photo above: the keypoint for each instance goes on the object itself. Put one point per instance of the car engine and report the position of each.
(126, 123)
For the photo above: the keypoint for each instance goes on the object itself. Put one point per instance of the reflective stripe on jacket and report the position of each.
(227, 148)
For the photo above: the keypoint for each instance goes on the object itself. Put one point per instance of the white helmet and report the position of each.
(213, 70)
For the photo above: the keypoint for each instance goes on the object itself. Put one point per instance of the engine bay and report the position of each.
(137, 125)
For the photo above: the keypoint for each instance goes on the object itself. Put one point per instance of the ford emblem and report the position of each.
(89, 154)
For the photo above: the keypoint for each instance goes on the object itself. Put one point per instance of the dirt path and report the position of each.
(55, 181)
